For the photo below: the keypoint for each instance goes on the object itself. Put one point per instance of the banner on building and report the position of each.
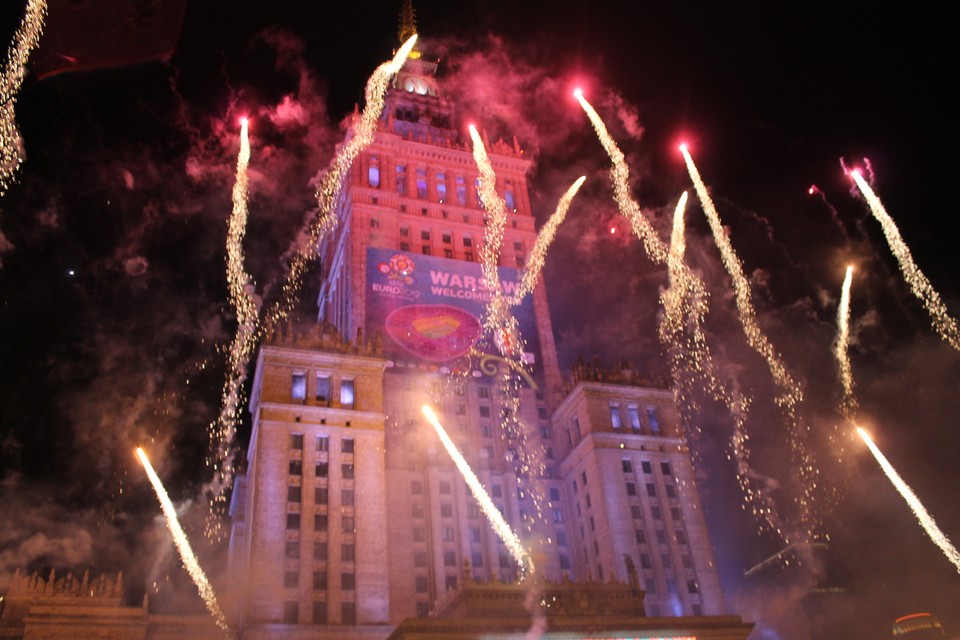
(430, 310)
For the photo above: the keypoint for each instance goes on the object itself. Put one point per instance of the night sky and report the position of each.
(113, 300)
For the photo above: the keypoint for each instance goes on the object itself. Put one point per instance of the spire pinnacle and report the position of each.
(408, 21)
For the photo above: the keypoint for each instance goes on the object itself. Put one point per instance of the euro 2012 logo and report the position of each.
(399, 268)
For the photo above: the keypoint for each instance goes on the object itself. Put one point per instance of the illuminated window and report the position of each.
(634, 415)
(645, 563)
(441, 187)
(373, 176)
(510, 200)
(422, 183)
(323, 389)
(298, 389)
(346, 394)
(615, 415)
(461, 192)
(652, 419)
(402, 179)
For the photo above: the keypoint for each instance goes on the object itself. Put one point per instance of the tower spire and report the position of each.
(408, 21)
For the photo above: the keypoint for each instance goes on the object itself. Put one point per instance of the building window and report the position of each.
(554, 494)
(444, 487)
(323, 443)
(627, 466)
(497, 491)
(447, 534)
(348, 613)
(346, 445)
(373, 176)
(661, 536)
(346, 394)
(423, 609)
(292, 550)
(645, 563)
(641, 536)
(419, 534)
(646, 466)
(473, 511)
(634, 416)
(323, 469)
(615, 415)
(665, 560)
(293, 494)
(293, 521)
(593, 525)
(484, 411)
(347, 524)
(320, 612)
(441, 187)
(320, 580)
(589, 503)
(545, 432)
(402, 179)
(417, 509)
(291, 612)
(557, 516)
(404, 232)
(298, 389)
(348, 581)
(636, 512)
(655, 513)
(450, 583)
(296, 467)
(461, 191)
(346, 471)
(449, 558)
(346, 497)
(510, 202)
(576, 430)
(468, 256)
(296, 441)
(320, 522)
(686, 561)
(447, 239)
(665, 468)
(446, 510)
(487, 431)
(404, 246)
(416, 487)
(420, 559)
(671, 491)
(652, 419)
(422, 183)
(561, 538)
(631, 489)
(475, 535)
(420, 584)
(348, 552)
(476, 559)
(323, 389)
(319, 553)
(651, 490)
(681, 537)
(448, 253)
(650, 586)
(676, 514)
(291, 579)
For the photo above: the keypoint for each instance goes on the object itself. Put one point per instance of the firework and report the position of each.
(790, 394)
(25, 40)
(942, 322)
(223, 429)
(493, 514)
(849, 402)
(324, 218)
(189, 559)
(923, 516)
(538, 256)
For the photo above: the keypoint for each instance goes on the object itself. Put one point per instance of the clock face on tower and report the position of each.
(415, 85)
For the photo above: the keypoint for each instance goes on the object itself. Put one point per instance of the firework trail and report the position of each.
(324, 218)
(240, 284)
(493, 514)
(941, 320)
(690, 359)
(848, 405)
(814, 190)
(189, 559)
(25, 40)
(923, 516)
(790, 394)
(692, 366)
(500, 322)
(619, 176)
(538, 256)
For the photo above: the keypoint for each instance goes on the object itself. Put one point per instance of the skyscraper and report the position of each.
(350, 513)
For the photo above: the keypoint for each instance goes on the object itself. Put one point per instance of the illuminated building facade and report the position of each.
(359, 537)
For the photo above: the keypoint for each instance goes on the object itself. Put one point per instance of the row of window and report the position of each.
(348, 580)
(291, 612)
(321, 495)
(323, 389)
(322, 469)
(633, 415)
(322, 443)
(440, 185)
(321, 522)
(647, 467)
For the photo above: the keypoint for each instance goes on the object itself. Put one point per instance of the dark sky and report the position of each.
(127, 183)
